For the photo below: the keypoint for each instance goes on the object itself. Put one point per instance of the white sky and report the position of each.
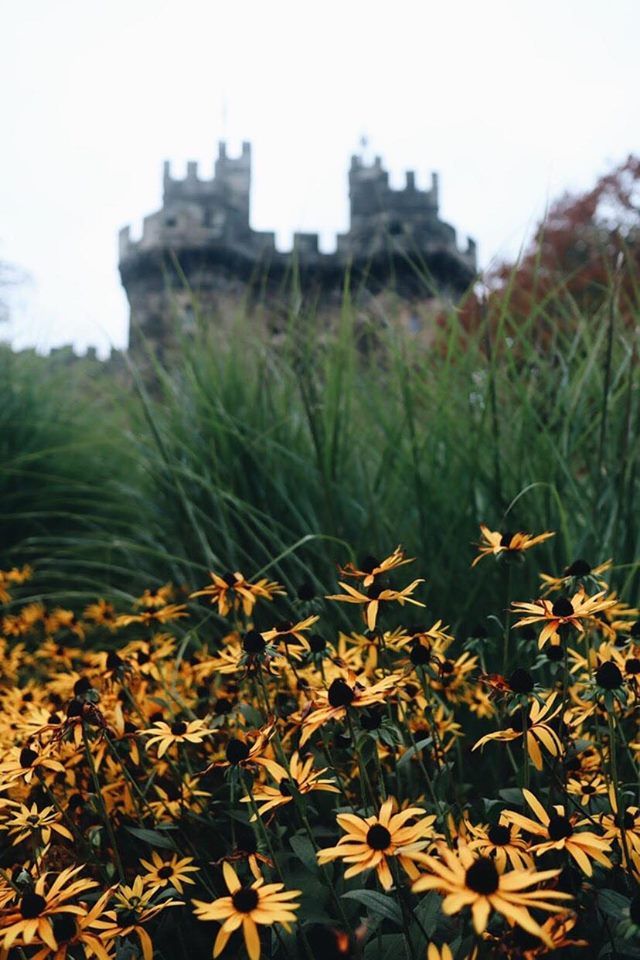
(512, 101)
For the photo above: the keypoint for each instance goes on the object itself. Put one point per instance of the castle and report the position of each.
(199, 249)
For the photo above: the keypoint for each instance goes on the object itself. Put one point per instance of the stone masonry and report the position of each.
(198, 256)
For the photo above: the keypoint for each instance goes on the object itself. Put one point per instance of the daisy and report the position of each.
(30, 919)
(332, 704)
(232, 591)
(369, 842)
(562, 612)
(179, 731)
(300, 777)
(538, 731)
(375, 595)
(512, 544)
(370, 567)
(558, 832)
(247, 907)
(174, 872)
(467, 880)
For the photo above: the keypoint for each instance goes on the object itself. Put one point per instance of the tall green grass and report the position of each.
(290, 458)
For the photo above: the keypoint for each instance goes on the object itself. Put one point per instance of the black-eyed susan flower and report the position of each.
(290, 636)
(579, 570)
(170, 611)
(77, 936)
(247, 750)
(467, 880)
(370, 567)
(166, 735)
(22, 763)
(168, 873)
(562, 612)
(538, 731)
(343, 694)
(374, 596)
(503, 842)
(497, 544)
(300, 777)
(561, 832)
(586, 788)
(26, 821)
(30, 921)
(155, 597)
(134, 906)
(370, 842)
(233, 591)
(102, 614)
(248, 907)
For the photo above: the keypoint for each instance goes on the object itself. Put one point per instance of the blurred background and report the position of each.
(511, 103)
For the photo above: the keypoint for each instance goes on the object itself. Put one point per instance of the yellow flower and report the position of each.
(503, 843)
(166, 734)
(558, 832)
(496, 543)
(29, 820)
(301, 777)
(370, 567)
(29, 921)
(333, 703)
(562, 612)
(370, 841)
(538, 731)
(247, 907)
(375, 595)
(579, 569)
(470, 881)
(163, 873)
(232, 591)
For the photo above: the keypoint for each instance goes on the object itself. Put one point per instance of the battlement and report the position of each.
(204, 224)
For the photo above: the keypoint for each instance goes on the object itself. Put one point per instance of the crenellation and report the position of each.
(202, 236)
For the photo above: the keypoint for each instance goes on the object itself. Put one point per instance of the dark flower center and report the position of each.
(285, 786)
(32, 905)
(378, 837)
(317, 643)
(369, 564)
(632, 665)
(372, 718)
(447, 666)
(499, 834)
(113, 660)
(555, 653)
(237, 751)
(165, 872)
(374, 591)
(222, 706)
(229, 579)
(559, 827)
(579, 568)
(64, 927)
(341, 694)
(482, 877)
(253, 642)
(608, 676)
(521, 681)
(506, 538)
(629, 820)
(245, 899)
(27, 756)
(143, 658)
(588, 789)
(81, 686)
(420, 654)
(562, 607)
(178, 728)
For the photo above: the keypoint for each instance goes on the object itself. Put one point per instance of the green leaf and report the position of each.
(412, 751)
(428, 911)
(153, 837)
(305, 851)
(390, 946)
(613, 904)
(379, 903)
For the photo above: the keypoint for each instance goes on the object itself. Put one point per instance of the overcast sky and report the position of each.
(512, 101)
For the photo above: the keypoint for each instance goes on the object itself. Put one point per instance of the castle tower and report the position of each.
(200, 246)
